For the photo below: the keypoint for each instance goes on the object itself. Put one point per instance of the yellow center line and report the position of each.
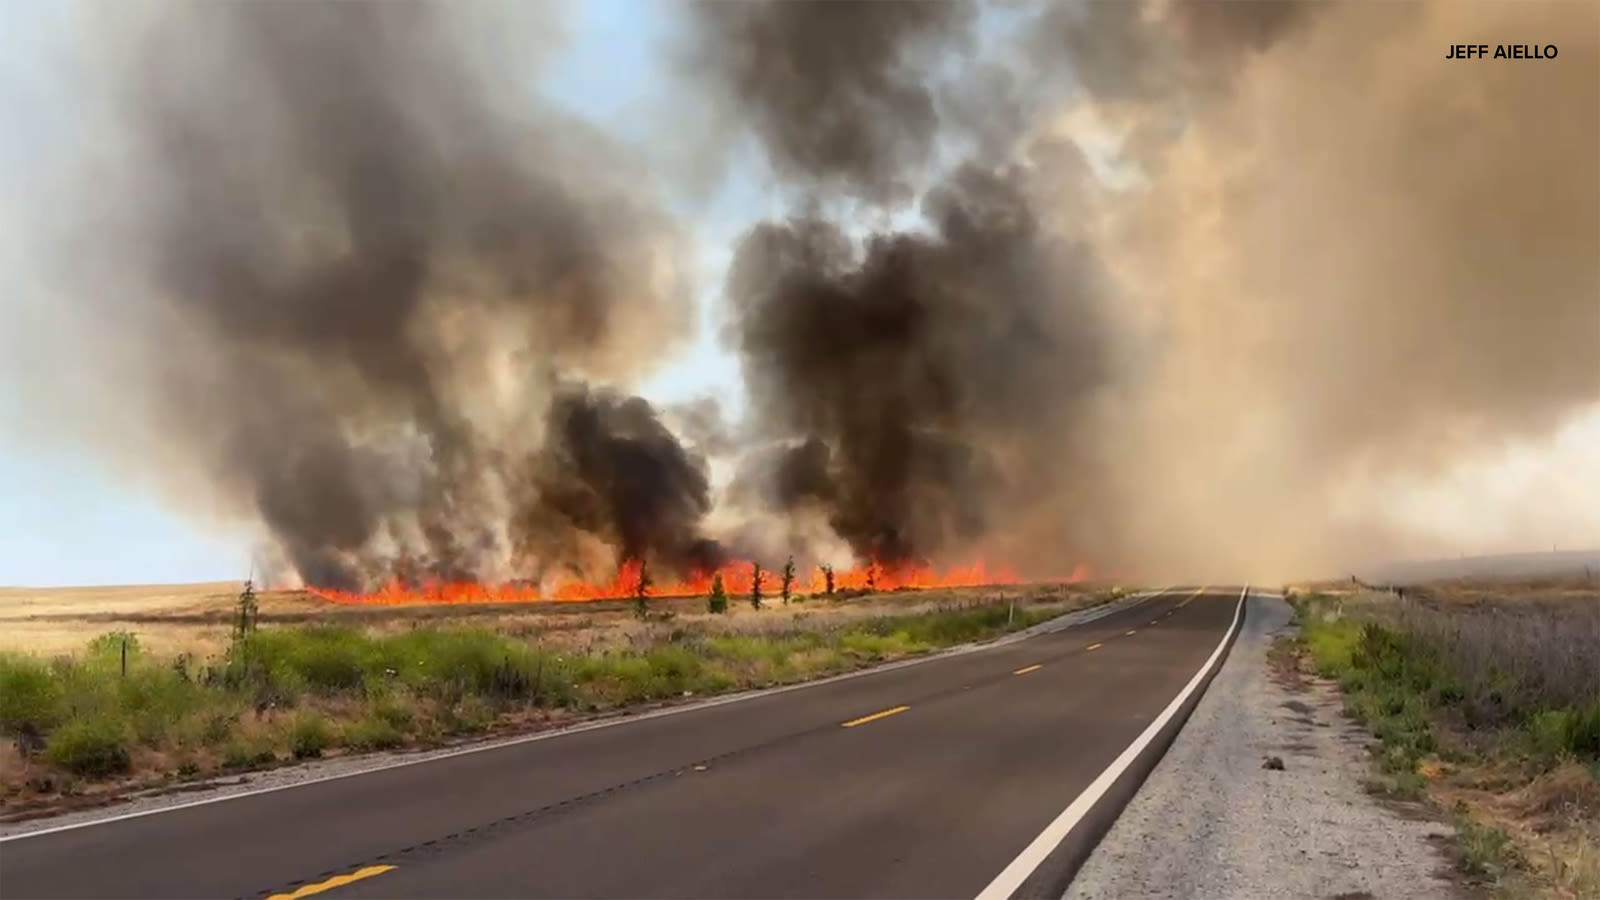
(1026, 669)
(1190, 597)
(1094, 646)
(877, 715)
(331, 883)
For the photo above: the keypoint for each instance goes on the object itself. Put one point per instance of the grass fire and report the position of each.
(737, 577)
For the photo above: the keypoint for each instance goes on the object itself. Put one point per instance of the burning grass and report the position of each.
(98, 720)
(1485, 700)
(737, 578)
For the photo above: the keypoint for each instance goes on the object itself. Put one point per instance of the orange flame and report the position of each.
(737, 579)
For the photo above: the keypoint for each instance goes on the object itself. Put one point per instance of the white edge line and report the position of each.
(1012, 877)
(1104, 609)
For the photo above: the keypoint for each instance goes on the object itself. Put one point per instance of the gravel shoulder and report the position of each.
(1212, 822)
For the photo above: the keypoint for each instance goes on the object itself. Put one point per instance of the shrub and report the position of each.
(325, 659)
(453, 663)
(91, 747)
(243, 754)
(309, 736)
(31, 697)
(372, 732)
(1567, 732)
(110, 645)
(717, 601)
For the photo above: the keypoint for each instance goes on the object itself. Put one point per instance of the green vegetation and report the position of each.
(717, 602)
(302, 692)
(1529, 675)
(1505, 694)
(91, 747)
(1487, 853)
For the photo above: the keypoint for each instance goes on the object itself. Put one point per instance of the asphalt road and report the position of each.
(921, 781)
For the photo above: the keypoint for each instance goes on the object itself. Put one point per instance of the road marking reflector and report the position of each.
(1026, 669)
(331, 883)
(1094, 646)
(1130, 631)
(875, 716)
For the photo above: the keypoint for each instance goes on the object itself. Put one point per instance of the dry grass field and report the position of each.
(197, 618)
(169, 618)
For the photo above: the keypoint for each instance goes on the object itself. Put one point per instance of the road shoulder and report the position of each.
(1212, 821)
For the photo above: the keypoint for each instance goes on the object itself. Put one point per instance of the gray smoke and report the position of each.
(1032, 363)
(837, 93)
(360, 277)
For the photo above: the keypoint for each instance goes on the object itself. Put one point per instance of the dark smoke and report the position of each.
(367, 277)
(838, 94)
(916, 383)
(610, 469)
(905, 367)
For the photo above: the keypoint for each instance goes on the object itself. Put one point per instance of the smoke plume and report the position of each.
(1334, 261)
(1175, 288)
(355, 284)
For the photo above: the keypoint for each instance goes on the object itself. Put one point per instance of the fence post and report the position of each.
(124, 656)
(1011, 614)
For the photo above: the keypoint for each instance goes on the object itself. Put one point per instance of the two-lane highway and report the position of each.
(927, 780)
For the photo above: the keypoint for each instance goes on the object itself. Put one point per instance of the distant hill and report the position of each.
(1505, 566)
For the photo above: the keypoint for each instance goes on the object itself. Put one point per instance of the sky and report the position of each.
(65, 519)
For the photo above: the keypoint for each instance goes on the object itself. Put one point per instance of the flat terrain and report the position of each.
(169, 618)
(197, 618)
(925, 780)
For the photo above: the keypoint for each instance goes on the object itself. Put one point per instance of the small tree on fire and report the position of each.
(827, 580)
(717, 602)
(788, 580)
(755, 585)
(641, 591)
